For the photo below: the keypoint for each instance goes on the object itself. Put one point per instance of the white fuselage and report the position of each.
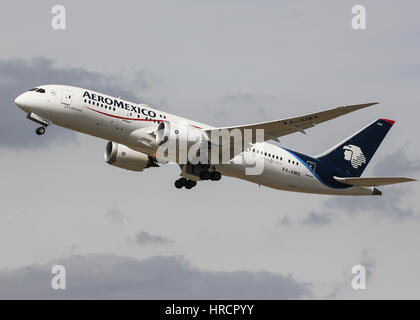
(123, 121)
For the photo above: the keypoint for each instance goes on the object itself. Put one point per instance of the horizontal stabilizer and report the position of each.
(372, 182)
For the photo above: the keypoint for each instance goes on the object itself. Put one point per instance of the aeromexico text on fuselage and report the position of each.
(120, 104)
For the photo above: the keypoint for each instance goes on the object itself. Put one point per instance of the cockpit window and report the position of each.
(41, 90)
(33, 89)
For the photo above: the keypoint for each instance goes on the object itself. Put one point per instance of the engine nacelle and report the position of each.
(121, 156)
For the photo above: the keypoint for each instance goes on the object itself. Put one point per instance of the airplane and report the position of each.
(135, 132)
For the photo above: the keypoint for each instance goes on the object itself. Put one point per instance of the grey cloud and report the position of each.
(144, 237)
(115, 277)
(398, 164)
(17, 76)
(317, 219)
(116, 216)
(367, 261)
(313, 219)
(390, 204)
(285, 221)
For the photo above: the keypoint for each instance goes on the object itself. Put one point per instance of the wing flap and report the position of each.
(372, 182)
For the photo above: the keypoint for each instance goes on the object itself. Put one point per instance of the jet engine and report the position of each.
(121, 156)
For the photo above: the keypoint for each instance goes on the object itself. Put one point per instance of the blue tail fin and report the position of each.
(353, 155)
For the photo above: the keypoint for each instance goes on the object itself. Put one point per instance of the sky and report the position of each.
(130, 235)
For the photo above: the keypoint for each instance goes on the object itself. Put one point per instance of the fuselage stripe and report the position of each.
(132, 119)
(123, 118)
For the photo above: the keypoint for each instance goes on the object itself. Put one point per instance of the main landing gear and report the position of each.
(40, 130)
(204, 175)
(210, 175)
(182, 182)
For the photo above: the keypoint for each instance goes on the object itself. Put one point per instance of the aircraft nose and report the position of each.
(21, 100)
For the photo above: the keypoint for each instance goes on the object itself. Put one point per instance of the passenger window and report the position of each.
(40, 90)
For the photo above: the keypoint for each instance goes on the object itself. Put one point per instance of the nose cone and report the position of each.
(21, 101)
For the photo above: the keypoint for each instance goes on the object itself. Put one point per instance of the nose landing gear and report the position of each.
(40, 130)
(38, 119)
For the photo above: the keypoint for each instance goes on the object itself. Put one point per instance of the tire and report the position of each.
(178, 184)
(216, 176)
(40, 131)
(190, 184)
(205, 175)
(194, 183)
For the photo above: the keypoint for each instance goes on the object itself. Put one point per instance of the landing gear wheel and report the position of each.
(215, 176)
(181, 182)
(190, 184)
(178, 184)
(40, 131)
(205, 175)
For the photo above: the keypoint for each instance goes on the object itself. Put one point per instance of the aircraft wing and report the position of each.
(282, 127)
(372, 182)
